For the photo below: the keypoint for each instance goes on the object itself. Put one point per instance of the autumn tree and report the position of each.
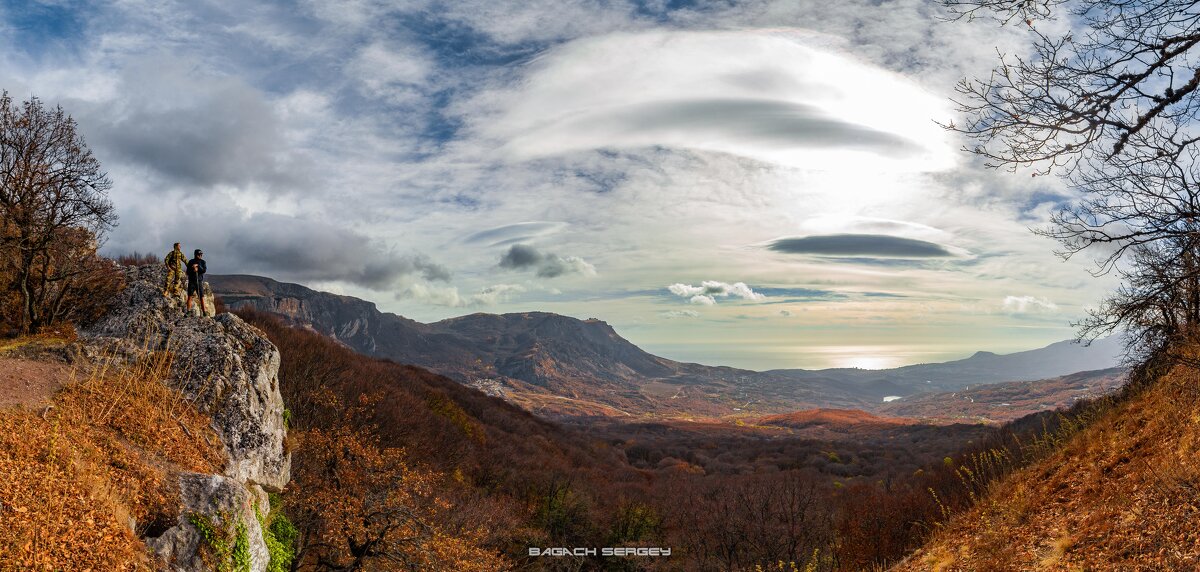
(1107, 99)
(363, 506)
(54, 211)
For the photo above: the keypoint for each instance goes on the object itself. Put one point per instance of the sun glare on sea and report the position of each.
(869, 362)
(864, 357)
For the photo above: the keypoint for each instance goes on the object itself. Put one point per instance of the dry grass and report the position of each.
(58, 336)
(1122, 493)
(83, 479)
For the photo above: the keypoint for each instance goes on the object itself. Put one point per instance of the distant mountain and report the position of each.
(557, 365)
(1053, 360)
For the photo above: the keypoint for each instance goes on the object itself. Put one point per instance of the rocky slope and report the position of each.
(561, 366)
(228, 370)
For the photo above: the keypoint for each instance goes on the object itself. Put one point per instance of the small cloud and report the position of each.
(672, 314)
(516, 232)
(870, 245)
(496, 293)
(555, 265)
(547, 264)
(709, 290)
(883, 295)
(749, 317)
(449, 295)
(520, 256)
(1029, 305)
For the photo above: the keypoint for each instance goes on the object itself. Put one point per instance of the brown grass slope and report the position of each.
(84, 478)
(1122, 494)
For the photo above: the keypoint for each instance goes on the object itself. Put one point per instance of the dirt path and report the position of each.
(30, 383)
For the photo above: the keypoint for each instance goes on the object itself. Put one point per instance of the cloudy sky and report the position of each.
(758, 183)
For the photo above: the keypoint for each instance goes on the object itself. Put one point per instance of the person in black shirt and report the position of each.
(196, 267)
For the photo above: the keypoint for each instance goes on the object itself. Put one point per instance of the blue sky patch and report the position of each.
(39, 28)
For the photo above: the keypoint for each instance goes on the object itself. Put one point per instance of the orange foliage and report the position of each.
(75, 478)
(360, 506)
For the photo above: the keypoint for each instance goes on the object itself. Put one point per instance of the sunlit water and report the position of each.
(813, 357)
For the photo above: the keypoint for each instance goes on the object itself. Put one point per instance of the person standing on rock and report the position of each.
(196, 267)
(174, 262)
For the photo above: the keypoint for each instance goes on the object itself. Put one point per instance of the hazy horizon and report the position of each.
(762, 181)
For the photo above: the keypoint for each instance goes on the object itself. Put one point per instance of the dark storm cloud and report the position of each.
(547, 264)
(520, 256)
(289, 248)
(776, 123)
(868, 245)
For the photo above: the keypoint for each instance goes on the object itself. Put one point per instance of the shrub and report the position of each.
(279, 534)
(138, 259)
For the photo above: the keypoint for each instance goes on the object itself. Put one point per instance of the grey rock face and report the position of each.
(224, 505)
(231, 372)
(227, 369)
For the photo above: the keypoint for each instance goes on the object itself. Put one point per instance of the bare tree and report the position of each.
(53, 207)
(1110, 105)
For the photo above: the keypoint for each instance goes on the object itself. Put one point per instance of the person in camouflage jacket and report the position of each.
(174, 262)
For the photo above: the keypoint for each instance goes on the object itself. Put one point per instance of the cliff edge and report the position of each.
(228, 370)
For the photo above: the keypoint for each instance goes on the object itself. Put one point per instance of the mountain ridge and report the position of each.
(560, 365)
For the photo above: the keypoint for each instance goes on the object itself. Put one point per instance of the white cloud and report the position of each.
(1028, 305)
(672, 314)
(515, 232)
(767, 95)
(449, 296)
(709, 290)
(394, 73)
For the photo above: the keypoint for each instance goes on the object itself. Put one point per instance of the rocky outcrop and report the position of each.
(227, 369)
(228, 510)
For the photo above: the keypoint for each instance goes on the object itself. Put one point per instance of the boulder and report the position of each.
(217, 527)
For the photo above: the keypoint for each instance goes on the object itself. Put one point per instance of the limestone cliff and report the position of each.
(227, 369)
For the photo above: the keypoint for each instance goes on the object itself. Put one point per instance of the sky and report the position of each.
(759, 184)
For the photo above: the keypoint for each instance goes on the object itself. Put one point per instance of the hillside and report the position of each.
(1121, 494)
(1009, 400)
(431, 470)
(513, 480)
(559, 366)
(149, 441)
